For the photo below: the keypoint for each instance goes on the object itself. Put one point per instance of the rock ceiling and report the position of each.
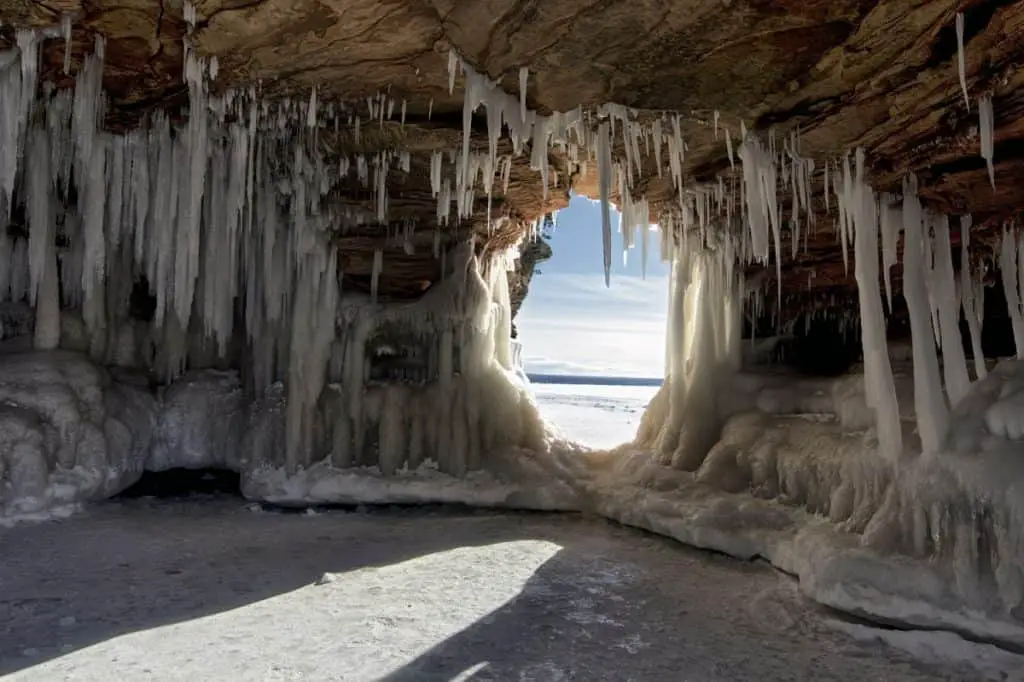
(879, 74)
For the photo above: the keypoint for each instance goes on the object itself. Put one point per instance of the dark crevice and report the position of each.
(804, 109)
(178, 483)
(1004, 150)
(976, 19)
(142, 303)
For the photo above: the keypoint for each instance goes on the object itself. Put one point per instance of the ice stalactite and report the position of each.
(880, 391)
(44, 291)
(954, 363)
(972, 297)
(929, 400)
(890, 229)
(604, 164)
(225, 219)
(986, 128)
(961, 68)
(1009, 266)
(314, 317)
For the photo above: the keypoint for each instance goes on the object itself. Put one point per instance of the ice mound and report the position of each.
(203, 419)
(67, 433)
(933, 541)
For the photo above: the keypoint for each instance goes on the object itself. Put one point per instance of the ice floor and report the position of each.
(216, 589)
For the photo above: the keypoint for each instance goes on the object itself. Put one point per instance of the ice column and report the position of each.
(1008, 266)
(954, 364)
(972, 297)
(703, 350)
(986, 126)
(604, 167)
(929, 401)
(879, 387)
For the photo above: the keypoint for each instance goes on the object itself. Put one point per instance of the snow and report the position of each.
(596, 416)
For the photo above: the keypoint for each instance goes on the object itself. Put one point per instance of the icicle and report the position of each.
(42, 262)
(929, 403)
(890, 223)
(524, 75)
(65, 29)
(604, 168)
(987, 131)
(311, 109)
(378, 267)
(878, 378)
(960, 57)
(453, 65)
(971, 299)
(954, 364)
(1008, 268)
(728, 149)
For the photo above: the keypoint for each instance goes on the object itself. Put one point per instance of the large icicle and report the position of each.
(42, 251)
(961, 68)
(1008, 268)
(604, 171)
(986, 127)
(878, 378)
(890, 227)
(929, 401)
(972, 298)
(954, 364)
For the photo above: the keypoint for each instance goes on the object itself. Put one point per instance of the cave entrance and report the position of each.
(594, 356)
(182, 483)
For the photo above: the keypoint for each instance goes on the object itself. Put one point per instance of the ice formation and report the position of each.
(986, 126)
(225, 224)
(961, 68)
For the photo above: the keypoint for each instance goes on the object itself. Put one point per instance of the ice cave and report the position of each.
(285, 240)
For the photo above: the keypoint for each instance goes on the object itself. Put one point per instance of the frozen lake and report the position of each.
(597, 415)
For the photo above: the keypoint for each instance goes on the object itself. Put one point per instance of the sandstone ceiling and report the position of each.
(879, 74)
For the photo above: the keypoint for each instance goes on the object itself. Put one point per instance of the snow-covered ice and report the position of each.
(599, 416)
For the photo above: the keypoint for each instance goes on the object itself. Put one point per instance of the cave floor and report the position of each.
(213, 588)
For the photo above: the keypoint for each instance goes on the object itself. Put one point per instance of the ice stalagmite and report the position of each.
(929, 401)
(878, 379)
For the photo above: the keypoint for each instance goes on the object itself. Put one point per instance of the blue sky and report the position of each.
(571, 324)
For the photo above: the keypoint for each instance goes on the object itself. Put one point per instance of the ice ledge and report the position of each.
(832, 566)
(324, 484)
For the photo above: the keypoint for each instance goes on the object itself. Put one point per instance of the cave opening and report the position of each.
(181, 483)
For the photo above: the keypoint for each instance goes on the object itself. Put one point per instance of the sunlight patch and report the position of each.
(358, 625)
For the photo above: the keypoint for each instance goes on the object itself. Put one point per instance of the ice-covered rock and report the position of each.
(67, 433)
(203, 421)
